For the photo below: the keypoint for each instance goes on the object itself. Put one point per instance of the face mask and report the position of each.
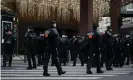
(54, 25)
(41, 35)
(29, 30)
(9, 33)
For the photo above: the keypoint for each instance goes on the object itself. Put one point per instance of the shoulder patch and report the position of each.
(90, 35)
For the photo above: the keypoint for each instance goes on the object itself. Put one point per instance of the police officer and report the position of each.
(63, 49)
(71, 45)
(108, 41)
(8, 48)
(93, 39)
(53, 41)
(127, 49)
(30, 43)
(117, 49)
(40, 48)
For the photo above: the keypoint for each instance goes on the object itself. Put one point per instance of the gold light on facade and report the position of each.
(63, 11)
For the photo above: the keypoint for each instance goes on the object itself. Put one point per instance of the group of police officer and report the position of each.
(101, 48)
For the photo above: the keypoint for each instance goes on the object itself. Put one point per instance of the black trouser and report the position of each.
(109, 56)
(63, 57)
(5, 57)
(40, 58)
(103, 59)
(55, 60)
(81, 57)
(90, 58)
(8, 52)
(132, 56)
(118, 57)
(75, 58)
(127, 55)
(31, 56)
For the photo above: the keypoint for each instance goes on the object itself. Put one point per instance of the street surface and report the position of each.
(18, 72)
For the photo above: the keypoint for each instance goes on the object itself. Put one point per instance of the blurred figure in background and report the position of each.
(8, 48)
(108, 43)
(30, 43)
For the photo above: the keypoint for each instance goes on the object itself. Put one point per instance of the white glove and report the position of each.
(2, 40)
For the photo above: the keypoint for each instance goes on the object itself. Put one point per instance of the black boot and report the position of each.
(88, 72)
(4, 66)
(127, 63)
(74, 63)
(64, 64)
(52, 65)
(82, 64)
(34, 67)
(62, 72)
(9, 65)
(29, 68)
(109, 69)
(100, 71)
(46, 74)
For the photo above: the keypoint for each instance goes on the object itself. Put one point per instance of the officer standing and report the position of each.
(94, 45)
(63, 49)
(40, 48)
(8, 48)
(53, 41)
(127, 49)
(108, 41)
(117, 49)
(30, 40)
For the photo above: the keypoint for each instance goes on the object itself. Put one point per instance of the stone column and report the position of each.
(86, 17)
(115, 15)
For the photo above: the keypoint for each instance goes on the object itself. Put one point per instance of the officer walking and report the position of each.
(108, 41)
(93, 39)
(53, 41)
(30, 40)
(8, 48)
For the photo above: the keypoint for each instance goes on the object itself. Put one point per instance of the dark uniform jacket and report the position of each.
(9, 44)
(53, 38)
(30, 40)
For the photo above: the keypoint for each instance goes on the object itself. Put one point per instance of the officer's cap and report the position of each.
(53, 22)
(30, 27)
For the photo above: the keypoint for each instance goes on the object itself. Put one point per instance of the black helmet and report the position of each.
(52, 22)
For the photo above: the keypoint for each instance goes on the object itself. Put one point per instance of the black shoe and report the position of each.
(74, 64)
(82, 64)
(101, 65)
(34, 67)
(89, 72)
(52, 64)
(9, 66)
(116, 66)
(29, 68)
(109, 69)
(4, 66)
(46, 74)
(127, 63)
(63, 72)
(100, 71)
(64, 64)
(121, 65)
(38, 65)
